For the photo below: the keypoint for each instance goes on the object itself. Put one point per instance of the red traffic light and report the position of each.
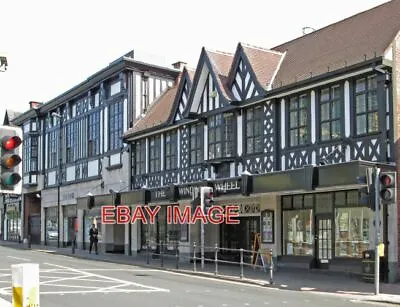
(387, 180)
(10, 143)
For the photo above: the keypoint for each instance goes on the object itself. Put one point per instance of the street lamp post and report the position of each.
(54, 114)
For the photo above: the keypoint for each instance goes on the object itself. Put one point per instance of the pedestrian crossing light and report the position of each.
(207, 198)
(387, 188)
(11, 158)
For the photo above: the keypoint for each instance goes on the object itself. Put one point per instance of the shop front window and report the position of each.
(160, 231)
(352, 231)
(298, 232)
(51, 225)
(13, 225)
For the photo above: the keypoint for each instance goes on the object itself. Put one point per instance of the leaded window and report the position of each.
(94, 134)
(116, 125)
(155, 154)
(196, 144)
(366, 105)
(53, 148)
(254, 130)
(298, 126)
(140, 157)
(330, 113)
(171, 147)
(71, 142)
(221, 136)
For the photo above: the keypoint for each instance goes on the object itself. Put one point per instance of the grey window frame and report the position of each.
(298, 126)
(218, 125)
(155, 154)
(367, 92)
(115, 124)
(256, 132)
(331, 119)
(140, 157)
(170, 150)
(196, 143)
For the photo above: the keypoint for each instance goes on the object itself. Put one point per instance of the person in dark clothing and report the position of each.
(93, 236)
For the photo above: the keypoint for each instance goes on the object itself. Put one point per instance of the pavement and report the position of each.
(79, 279)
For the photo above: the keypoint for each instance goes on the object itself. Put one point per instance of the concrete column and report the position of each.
(42, 225)
(79, 239)
(135, 238)
(126, 241)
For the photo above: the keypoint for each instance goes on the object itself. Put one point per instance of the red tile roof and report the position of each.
(160, 110)
(343, 43)
(221, 63)
(264, 63)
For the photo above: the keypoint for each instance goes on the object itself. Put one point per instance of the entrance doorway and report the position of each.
(237, 236)
(323, 240)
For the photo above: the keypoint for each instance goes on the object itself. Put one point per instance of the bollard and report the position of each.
(271, 268)
(148, 253)
(177, 257)
(29, 241)
(162, 254)
(216, 259)
(25, 285)
(241, 263)
(194, 256)
(73, 245)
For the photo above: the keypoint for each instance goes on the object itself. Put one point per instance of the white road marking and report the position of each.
(266, 303)
(109, 278)
(23, 259)
(306, 289)
(73, 286)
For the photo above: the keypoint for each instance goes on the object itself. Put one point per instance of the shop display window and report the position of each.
(298, 232)
(352, 231)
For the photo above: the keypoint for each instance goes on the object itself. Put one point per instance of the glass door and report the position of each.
(323, 239)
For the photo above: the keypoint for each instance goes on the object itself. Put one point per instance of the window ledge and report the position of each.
(221, 160)
(113, 167)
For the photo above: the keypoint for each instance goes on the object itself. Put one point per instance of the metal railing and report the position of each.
(217, 260)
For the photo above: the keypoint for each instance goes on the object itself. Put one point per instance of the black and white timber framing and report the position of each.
(95, 115)
(317, 121)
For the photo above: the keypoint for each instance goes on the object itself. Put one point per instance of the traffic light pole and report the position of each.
(202, 229)
(377, 229)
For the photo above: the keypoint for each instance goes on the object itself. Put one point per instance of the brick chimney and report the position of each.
(179, 65)
(34, 104)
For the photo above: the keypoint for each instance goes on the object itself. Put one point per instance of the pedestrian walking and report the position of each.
(93, 235)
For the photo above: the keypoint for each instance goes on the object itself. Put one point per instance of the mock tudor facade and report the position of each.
(304, 119)
(88, 157)
(281, 132)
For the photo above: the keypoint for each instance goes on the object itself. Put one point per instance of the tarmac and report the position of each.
(282, 277)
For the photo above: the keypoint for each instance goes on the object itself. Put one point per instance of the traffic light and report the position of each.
(368, 191)
(11, 158)
(206, 198)
(387, 187)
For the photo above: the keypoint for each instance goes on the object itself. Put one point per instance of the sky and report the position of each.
(52, 46)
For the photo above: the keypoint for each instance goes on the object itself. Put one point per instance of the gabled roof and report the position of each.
(264, 63)
(353, 40)
(185, 85)
(9, 116)
(218, 64)
(260, 66)
(221, 64)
